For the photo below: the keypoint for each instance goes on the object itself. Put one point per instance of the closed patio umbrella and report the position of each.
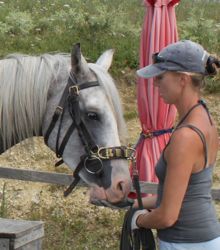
(156, 117)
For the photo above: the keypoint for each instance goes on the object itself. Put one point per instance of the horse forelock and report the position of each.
(112, 95)
(24, 84)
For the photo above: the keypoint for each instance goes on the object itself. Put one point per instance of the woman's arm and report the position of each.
(181, 154)
(148, 202)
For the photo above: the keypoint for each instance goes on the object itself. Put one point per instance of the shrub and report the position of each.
(19, 23)
(201, 30)
(53, 26)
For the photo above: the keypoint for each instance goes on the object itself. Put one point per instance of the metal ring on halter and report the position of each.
(98, 161)
(133, 154)
(94, 150)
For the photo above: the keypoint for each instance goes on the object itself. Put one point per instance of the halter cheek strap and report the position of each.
(70, 95)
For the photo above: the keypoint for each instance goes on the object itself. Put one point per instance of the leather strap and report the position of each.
(70, 92)
(202, 137)
(76, 178)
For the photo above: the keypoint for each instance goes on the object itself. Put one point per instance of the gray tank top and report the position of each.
(197, 221)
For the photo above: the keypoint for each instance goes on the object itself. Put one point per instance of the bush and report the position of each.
(46, 27)
(18, 23)
(202, 30)
(36, 27)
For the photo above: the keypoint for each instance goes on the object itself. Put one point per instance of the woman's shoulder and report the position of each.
(198, 141)
(185, 134)
(184, 141)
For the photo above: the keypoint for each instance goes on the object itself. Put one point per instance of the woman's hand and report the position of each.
(135, 217)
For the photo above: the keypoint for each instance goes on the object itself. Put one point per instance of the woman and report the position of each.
(182, 212)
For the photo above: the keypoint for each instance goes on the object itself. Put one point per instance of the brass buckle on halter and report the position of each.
(74, 90)
(116, 153)
(59, 110)
(103, 153)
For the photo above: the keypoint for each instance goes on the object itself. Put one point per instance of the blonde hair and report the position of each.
(198, 80)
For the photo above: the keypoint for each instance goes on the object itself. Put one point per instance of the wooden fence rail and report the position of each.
(66, 179)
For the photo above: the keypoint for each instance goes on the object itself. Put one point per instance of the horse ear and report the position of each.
(76, 57)
(78, 62)
(105, 60)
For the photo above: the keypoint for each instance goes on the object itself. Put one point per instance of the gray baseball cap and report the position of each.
(182, 56)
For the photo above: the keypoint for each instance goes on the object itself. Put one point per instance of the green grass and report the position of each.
(89, 227)
(129, 115)
(3, 205)
(200, 22)
(213, 85)
(36, 27)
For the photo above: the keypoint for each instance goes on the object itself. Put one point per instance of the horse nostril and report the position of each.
(118, 191)
(120, 186)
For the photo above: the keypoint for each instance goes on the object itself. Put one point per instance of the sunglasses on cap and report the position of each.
(156, 58)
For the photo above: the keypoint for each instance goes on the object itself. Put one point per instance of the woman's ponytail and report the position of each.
(212, 65)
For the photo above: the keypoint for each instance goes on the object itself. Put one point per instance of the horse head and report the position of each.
(84, 125)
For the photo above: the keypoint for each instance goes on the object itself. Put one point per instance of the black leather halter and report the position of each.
(94, 155)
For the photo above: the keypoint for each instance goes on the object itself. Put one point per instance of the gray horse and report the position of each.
(75, 106)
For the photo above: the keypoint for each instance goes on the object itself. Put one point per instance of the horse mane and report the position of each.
(24, 85)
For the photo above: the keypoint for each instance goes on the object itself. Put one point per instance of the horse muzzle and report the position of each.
(116, 194)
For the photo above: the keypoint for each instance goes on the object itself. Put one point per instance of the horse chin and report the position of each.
(127, 203)
(101, 197)
(97, 193)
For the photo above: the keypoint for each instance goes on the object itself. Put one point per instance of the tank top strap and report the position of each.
(202, 137)
(203, 103)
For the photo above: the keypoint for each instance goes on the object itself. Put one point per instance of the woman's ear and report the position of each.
(185, 79)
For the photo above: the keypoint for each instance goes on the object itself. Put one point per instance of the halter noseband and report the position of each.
(93, 159)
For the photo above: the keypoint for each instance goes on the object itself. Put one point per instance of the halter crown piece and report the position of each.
(92, 160)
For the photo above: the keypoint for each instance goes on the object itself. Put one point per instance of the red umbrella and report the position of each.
(158, 31)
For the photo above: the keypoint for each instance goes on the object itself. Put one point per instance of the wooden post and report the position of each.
(21, 234)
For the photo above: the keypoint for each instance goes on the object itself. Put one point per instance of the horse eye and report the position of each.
(93, 116)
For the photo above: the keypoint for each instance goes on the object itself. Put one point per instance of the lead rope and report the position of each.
(143, 237)
(140, 238)
(136, 182)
